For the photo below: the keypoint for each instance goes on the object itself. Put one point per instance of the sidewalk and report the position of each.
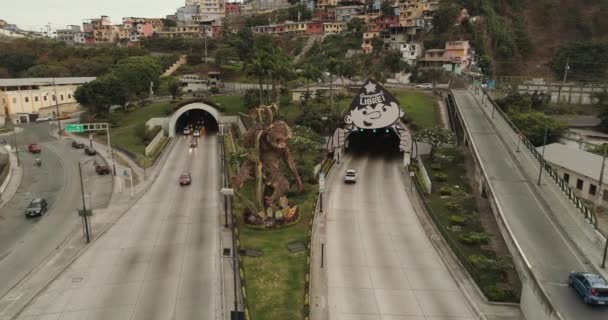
(13, 180)
(18, 298)
(573, 225)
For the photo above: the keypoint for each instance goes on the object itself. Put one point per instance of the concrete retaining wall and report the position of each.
(572, 94)
(5, 175)
(424, 175)
(535, 303)
(154, 143)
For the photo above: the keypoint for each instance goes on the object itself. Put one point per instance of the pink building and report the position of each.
(314, 27)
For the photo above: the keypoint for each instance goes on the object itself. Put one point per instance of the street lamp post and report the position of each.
(16, 146)
(87, 227)
(57, 106)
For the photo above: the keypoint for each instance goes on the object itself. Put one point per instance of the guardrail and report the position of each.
(564, 186)
(533, 287)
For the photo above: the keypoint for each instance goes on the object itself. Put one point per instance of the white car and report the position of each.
(425, 86)
(196, 133)
(186, 131)
(350, 177)
(43, 119)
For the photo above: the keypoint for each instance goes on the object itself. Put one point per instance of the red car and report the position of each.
(34, 148)
(185, 179)
(102, 169)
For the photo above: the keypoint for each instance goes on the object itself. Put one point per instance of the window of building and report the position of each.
(69, 96)
(54, 98)
(579, 184)
(61, 96)
(44, 98)
(566, 177)
(592, 189)
(27, 99)
(36, 98)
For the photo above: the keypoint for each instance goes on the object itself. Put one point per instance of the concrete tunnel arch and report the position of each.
(193, 106)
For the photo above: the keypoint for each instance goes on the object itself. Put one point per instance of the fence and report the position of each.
(578, 201)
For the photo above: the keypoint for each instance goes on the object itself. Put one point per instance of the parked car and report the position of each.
(37, 207)
(185, 179)
(425, 86)
(101, 169)
(350, 176)
(77, 145)
(90, 151)
(64, 116)
(34, 148)
(43, 119)
(592, 287)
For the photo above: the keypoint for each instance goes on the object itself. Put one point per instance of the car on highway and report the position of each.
(64, 116)
(193, 143)
(187, 131)
(90, 151)
(185, 179)
(101, 169)
(34, 148)
(37, 207)
(350, 176)
(425, 86)
(196, 133)
(592, 287)
(43, 119)
(77, 145)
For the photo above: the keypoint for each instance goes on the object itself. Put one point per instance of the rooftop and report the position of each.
(44, 81)
(582, 162)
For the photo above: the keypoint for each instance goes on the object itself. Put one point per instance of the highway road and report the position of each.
(381, 264)
(161, 260)
(550, 253)
(25, 243)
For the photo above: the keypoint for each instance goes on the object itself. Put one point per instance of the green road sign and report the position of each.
(74, 128)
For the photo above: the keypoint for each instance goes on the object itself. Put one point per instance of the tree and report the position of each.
(169, 23)
(310, 73)
(226, 56)
(445, 17)
(435, 137)
(356, 25)
(46, 71)
(598, 149)
(533, 124)
(305, 141)
(257, 68)
(588, 60)
(174, 88)
(602, 106)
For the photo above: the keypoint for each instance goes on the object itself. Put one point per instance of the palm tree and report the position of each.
(310, 73)
(258, 67)
(281, 71)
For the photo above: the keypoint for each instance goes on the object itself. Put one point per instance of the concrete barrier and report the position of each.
(154, 143)
(535, 303)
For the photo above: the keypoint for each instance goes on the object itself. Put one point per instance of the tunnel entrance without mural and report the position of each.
(373, 125)
(194, 114)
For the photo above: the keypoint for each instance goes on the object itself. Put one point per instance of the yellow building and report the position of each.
(333, 27)
(21, 98)
(367, 46)
(417, 13)
(295, 27)
(324, 3)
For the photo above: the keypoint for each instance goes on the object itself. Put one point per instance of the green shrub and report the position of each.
(441, 177)
(453, 206)
(481, 262)
(214, 90)
(445, 191)
(474, 238)
(436, 166)
(457, 220)
(495, 293)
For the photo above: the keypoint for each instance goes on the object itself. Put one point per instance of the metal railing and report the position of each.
(564, 186)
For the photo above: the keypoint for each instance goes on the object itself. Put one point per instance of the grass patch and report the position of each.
(457, 217)
(232, 104)
(420, 107)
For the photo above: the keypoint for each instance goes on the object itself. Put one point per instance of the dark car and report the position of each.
(193, 143)
(77, 145)
(34, 148)
(90, 151)
(37, 207)
(185, 179)
(101, 169)
(592, 287)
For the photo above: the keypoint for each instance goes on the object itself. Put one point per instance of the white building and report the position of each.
(21, 99)
(410, 52)
(580, 169)
(68, 34)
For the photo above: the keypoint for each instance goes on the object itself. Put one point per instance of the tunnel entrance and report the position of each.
(196, 119)
(194, 116)
(374, 143)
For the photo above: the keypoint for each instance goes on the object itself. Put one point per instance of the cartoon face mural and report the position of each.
(373, 108)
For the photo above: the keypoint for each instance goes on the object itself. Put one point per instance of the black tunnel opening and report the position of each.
(194, 119)
(374, 143)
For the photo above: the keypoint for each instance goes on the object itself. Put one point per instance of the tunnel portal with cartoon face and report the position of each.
(373, 108)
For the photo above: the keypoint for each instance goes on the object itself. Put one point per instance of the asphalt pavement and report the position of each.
(160, 260)
(25, 243)
(550, 252)
(380, 262)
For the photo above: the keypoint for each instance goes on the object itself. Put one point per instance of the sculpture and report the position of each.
(267, 141)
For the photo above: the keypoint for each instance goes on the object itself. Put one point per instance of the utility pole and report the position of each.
(57, 107)
(566, 68)
(87, 232)
(542, 161)
(16, 146)
(205, 32)
(599, 191)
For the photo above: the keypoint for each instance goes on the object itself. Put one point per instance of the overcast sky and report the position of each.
(35, 14)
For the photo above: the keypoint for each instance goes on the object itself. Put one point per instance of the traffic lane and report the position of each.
(380, 261)
(548, 251)
(26, 242)
(159, 260)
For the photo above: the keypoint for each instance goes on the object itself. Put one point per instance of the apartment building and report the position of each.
(411, 52)
(232, 8)
(68, 34)
(455, 58)
(22, 98)
(292, 27)
(189, 31)
(333, 27)
(209, 10)
(368, 36)
(417, 13)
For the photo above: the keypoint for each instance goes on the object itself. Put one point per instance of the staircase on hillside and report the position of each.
(311, 40)
(182, 60)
